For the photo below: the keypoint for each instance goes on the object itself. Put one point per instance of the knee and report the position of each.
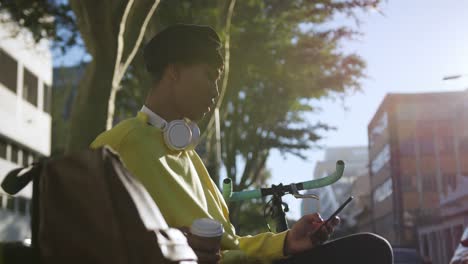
(371, 237)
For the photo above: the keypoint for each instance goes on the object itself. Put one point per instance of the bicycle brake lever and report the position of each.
(297, 195)
(304, 196)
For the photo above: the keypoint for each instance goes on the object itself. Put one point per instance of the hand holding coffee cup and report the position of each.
(205, 239)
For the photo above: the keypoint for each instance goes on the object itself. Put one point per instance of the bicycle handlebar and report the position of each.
(231, 196)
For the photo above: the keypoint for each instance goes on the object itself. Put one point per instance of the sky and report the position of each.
(408, 49)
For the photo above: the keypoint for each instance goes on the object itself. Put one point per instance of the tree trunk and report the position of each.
(98, 30)
(99, 23)
(90, 107)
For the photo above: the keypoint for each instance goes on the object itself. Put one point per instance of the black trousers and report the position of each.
(360, 248)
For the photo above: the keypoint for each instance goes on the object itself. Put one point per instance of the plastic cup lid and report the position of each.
(206, 227)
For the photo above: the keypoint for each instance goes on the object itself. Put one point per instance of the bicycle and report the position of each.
(278, 213)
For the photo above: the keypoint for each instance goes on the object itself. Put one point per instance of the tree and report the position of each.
(111, 38)
(50, 19)
(277, 69)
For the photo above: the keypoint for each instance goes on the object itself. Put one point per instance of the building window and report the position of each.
(10, 203)
(449, 181)
(2, 201)
(14, 154)
(407, 183)
(47, 98)
(25, 157)
(18, 205)
(8, 71)
(448, 240)
(381, 159)
(3, 148)
(425, 247)
(30, 85)
(22, 204)
(20, 156)
(379, 128)
(381, 125)
(383, 191)
(457, 233)
(429, 182)
(30, 158)
(17, 154)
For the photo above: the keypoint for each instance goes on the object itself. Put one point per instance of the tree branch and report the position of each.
(139, 39)
(119, 67)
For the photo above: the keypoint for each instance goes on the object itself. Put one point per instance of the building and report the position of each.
(440, 240)
(25, 120)
(417, 162)
(362, 204)
(332, 196)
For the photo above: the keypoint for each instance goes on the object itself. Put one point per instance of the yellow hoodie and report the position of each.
(181, 187)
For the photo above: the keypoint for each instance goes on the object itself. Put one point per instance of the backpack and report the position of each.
(87, 208)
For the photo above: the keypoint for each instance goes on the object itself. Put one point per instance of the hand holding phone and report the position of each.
(338, 210)
(314, 235)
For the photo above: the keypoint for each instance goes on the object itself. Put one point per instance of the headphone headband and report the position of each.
(154, 119)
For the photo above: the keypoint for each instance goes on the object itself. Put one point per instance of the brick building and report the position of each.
(418, 156)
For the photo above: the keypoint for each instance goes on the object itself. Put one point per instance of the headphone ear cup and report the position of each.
(195, 134)
(178, 135)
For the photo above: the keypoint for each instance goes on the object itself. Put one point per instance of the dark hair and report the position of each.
(182, 44)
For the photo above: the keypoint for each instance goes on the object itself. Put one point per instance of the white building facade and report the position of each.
(25, 120)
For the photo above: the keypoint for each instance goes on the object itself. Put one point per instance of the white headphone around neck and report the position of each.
(178, 134)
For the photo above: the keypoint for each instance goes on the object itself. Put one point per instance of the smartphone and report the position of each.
(338, 210)
(313, 236)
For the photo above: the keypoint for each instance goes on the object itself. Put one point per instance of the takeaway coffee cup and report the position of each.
(206, 234)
